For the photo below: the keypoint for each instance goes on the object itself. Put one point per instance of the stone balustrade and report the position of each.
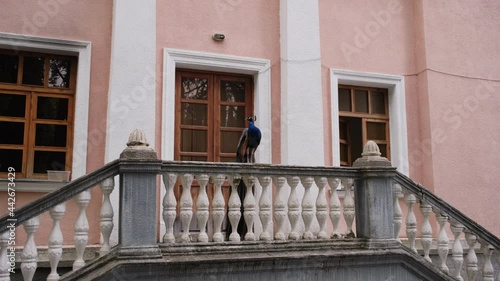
(281, 203)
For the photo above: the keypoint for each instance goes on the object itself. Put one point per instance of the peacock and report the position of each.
(245, 153)
(249, 141)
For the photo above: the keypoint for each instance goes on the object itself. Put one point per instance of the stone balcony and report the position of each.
(297, 225)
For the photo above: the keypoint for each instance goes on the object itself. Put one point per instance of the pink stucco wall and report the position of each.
(74, 20)
(463, 70)
(251, 29)
(448, 54)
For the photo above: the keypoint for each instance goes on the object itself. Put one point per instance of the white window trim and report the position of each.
(259, 68)
(397, 111)
(82, 49)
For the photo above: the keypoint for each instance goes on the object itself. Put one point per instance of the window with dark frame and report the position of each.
(37, 94)
(363, 116)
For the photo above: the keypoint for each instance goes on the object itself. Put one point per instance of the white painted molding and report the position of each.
(82, 49)
(259, 68)
(397, 111)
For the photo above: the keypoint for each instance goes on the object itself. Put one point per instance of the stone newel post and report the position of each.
(138, 212)
(373, 195)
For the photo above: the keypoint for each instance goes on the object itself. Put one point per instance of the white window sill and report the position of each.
(32, 185)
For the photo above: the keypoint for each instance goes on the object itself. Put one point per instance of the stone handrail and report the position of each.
(61, 195)
(424, 194)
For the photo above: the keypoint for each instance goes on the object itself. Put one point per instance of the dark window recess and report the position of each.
(59, 73)
(11, 158)
(33, 71)
(49, 160)
(50, 135)
(12, 132)
(52, 108)
(8, 68)
(12, 105)
(194, 140)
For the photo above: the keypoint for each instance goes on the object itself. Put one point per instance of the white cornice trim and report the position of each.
(259, 68)
(397, 111)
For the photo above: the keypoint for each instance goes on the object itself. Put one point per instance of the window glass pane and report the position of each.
(59, 73)
(361, 101)
(8, 68)
(52, 108)
(375, 131)
(193, 158)
(378, 102)
(232, 91)
(50, 135)
(383, 149)
(11, 158)
(194, 140)
(232, 116)
(345, 100)
(33, 70)
(194, 88)
(344, 152)
(11, 132)
(229, 141)
(194, 114)
(343, 130)
(12, 105)
(49, 160)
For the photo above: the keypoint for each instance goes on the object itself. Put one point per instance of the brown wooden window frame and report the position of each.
(366, 117)
(214, 103)
(30, 120)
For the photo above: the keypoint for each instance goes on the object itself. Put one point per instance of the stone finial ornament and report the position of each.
(371, 157)
(138, 147)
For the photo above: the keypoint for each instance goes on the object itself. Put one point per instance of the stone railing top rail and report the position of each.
(455, 215)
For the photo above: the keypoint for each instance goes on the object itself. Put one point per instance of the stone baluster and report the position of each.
(334, 206)
(234, 205)
(321, 207)
(279, 208)
(488, 271)
(202, 205)
(186, 204)
(457, 252)
(30, 254)
(4, 259)
(307, 207)
(265, 205)
(349, 210)
(471, 258)
(106, 223)
(442, 240)
(293, 208)
(169, 207)
(55, 241)
(426, 231)
(411, 221)
(497, 255)
(218, 207)
(249, 203)
(398, 213)
(81, 236)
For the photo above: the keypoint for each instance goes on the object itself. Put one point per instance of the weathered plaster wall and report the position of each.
(73, 20)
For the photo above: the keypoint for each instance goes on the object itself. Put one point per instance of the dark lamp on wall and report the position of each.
(218, 36)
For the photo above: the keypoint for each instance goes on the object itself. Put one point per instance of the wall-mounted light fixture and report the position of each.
(218, 36)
